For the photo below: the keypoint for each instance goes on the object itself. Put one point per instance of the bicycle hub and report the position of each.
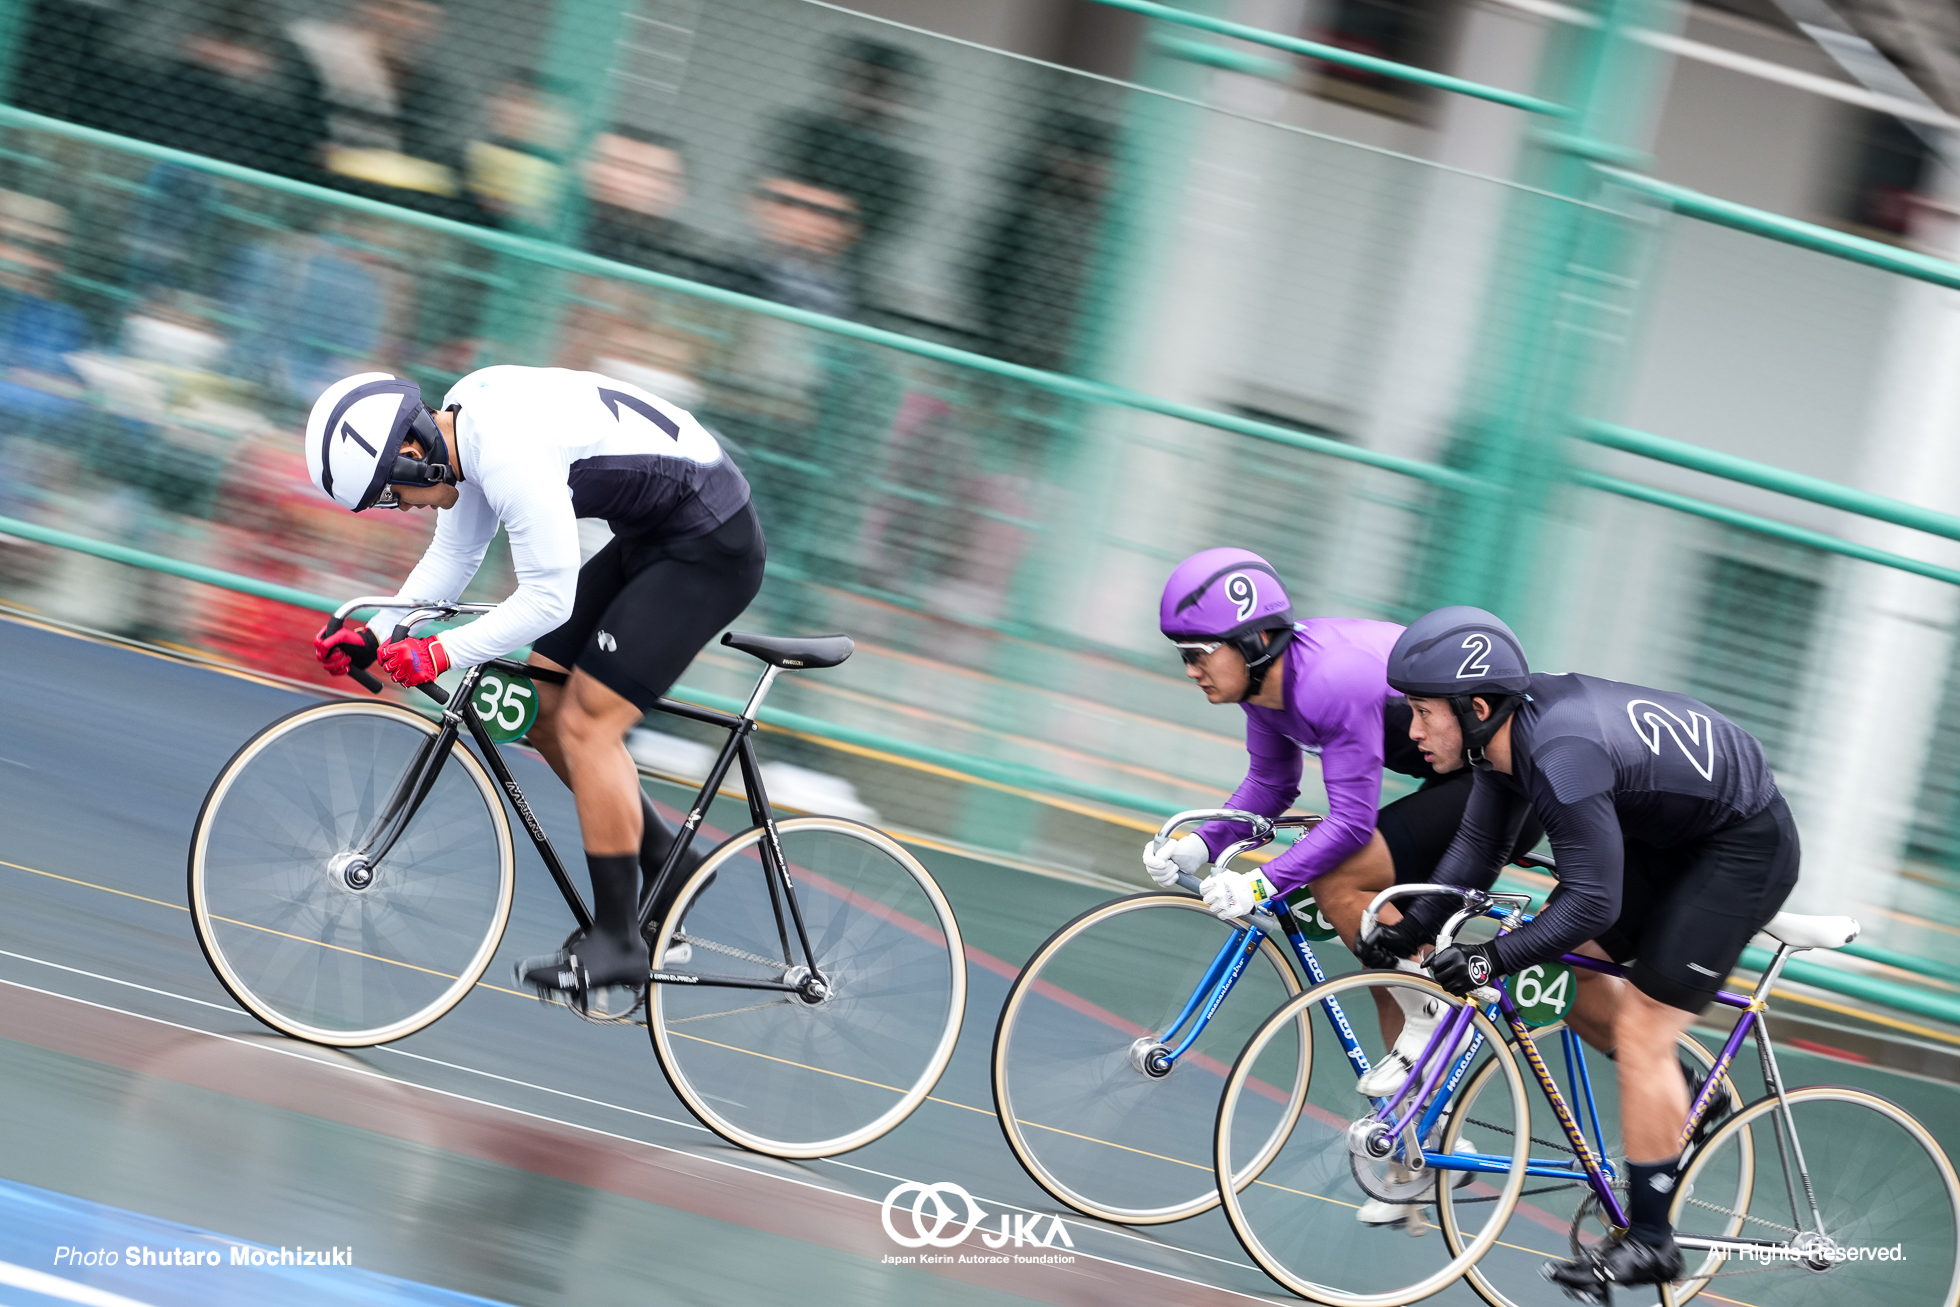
(1369, 1137)
(352, 870)
(1152, 1058)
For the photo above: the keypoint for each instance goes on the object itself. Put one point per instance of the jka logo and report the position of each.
(942, 1215)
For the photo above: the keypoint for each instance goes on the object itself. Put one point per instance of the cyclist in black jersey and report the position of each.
(1673, 847)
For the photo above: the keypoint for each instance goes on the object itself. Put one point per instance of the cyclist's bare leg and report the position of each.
(541, 736)
(1344, 894)
(1597, 1004)
(581, 731)
(1653, 1097)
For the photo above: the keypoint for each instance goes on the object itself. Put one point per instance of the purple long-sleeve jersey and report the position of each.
(1337, 698)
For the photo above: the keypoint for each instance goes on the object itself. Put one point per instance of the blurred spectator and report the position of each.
(61, 69)
(234, 88)
(804, 232)
(635, 181)
(395, 120)
(36, 328)
(353, 294)
(851, 146)
(517, 171)
(1036, 265)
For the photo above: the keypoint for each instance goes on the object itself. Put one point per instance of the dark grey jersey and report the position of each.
(1603, 763)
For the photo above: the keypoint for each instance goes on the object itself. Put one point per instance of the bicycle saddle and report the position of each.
(785, 651)
(1799, 931)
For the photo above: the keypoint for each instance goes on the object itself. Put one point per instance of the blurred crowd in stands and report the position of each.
(163, 328)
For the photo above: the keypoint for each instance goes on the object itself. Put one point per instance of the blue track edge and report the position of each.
(37, 1224)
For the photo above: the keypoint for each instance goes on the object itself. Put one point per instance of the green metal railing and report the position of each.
(1334, 54)
(1540, 382)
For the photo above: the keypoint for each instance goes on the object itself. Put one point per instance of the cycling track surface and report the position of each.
(509, 1152)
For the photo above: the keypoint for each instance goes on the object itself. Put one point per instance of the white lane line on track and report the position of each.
(595, 1102)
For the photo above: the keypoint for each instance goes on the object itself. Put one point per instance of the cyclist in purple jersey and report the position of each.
(1673, 848)
(1315, 686)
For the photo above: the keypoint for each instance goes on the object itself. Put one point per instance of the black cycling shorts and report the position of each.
(1418, 827)
(1686, 913)
(645, 608)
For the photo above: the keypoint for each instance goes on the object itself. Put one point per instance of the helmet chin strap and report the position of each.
(1478, 732)
(1256, 668)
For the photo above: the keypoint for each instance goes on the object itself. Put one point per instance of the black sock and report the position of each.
(615, 896)
(657, 836)
(1650, 1189)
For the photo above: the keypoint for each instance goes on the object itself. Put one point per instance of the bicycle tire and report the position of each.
(842, 1072)
(288, 937)
(1577, 1194)
(1107, 1117)
(1320, 1152)
(1889, 1199)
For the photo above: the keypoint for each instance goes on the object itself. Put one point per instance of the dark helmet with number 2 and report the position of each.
(1229, 596)
(1462, 653)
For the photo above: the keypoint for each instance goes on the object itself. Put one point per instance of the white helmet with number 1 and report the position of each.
(355, 431)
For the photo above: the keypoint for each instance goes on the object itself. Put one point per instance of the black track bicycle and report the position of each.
(352, 869)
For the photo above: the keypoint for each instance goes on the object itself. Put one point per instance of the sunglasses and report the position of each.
(1196, 651)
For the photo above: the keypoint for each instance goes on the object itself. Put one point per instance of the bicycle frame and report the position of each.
(1434, 1078)
(1592, 1166)
(459, 714)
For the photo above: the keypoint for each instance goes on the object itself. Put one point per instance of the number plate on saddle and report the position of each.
(508, 705)
(1543, 993)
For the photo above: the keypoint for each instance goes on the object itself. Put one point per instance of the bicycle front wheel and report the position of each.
(313, 948)
(1886, 1228)
(783, 1073)
(1329, 1216)
(1076, 1097)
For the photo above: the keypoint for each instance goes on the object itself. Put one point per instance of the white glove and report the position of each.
(1180, 857)
(1232, 894)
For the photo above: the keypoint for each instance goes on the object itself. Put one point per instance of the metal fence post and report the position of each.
(1562, 287)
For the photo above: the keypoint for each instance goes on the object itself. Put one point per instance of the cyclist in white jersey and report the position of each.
(534, 450)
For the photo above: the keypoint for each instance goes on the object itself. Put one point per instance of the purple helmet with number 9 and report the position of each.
(1221, 594)
(1230, 596)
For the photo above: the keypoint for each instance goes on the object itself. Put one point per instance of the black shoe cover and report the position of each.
(1624, 1262)
(588, 961)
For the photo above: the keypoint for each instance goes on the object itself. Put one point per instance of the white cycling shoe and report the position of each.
(1421, 1015)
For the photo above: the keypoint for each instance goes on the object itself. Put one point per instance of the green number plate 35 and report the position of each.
(507, 704)
(1544, 993)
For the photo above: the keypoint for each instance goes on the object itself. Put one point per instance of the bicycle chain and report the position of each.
(729, 950)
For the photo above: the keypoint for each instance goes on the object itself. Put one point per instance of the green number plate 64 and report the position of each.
(507, 704)
(1313, 922)
(1544, 993)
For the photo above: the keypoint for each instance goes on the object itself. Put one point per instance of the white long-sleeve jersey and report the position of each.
(539, 449)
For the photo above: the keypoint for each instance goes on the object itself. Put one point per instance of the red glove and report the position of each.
(416, 660)
(350, 646)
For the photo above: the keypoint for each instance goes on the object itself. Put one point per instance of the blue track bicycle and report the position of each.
(1806, 1197)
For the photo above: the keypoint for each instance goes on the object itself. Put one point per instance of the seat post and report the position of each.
(769, 675)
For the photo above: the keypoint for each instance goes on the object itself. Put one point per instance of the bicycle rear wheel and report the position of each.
(1555, 1214)
(774, 1071)
(290, 934)
(1887, 1194)
(1078, 1107)
(1326, 1216)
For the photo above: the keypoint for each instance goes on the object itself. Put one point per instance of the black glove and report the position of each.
(1386, 945)
(1461, 968)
